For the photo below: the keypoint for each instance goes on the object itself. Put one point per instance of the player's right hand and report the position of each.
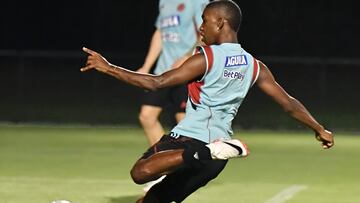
(95, 61)
(326, 138)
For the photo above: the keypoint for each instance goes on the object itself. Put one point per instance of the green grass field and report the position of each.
(39, 164)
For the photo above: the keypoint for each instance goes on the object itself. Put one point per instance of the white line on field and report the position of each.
(286, 194)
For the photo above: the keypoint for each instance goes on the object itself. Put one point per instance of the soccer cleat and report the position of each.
(226, 149)
(149, 185)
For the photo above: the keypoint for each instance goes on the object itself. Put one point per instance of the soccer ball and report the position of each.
(61, 201)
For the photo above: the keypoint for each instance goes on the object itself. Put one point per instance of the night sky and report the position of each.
(282, 28)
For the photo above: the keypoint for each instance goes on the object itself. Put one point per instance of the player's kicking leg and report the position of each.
(162, 163)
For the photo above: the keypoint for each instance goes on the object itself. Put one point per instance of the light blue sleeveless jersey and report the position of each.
(178, 21)
(215, 98)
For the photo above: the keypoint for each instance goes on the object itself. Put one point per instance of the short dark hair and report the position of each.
(231, 10)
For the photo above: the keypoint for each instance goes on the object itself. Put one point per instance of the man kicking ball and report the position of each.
(219, 76)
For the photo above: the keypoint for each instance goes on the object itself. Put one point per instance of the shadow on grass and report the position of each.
(124, 199)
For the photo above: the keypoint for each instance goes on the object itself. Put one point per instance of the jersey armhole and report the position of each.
(209, 57)
(256, 71)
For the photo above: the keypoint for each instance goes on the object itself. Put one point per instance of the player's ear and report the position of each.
(220, 23)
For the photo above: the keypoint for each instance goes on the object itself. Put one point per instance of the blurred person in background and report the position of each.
(173, 41)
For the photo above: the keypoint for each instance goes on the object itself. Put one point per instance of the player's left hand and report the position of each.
(95, 61)
(326, 138)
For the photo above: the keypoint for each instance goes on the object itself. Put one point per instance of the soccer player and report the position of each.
(219, 76)
(173, 41)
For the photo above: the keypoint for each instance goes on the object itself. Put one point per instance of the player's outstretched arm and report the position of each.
(292, 106)
(191, 69)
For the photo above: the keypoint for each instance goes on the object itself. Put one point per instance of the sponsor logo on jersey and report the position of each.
(170, 21)
(170, 37)
(233, 75)
(238, 60)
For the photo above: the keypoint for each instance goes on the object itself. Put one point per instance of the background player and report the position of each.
(173, 41)
(220, 76)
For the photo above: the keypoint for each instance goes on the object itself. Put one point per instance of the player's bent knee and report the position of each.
(140, 174)
(137, 175)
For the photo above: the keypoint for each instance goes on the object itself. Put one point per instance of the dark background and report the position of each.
(311, 47)
(290, 28)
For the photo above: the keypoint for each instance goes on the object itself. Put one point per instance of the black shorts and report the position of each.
(175, 96)
(179, 184)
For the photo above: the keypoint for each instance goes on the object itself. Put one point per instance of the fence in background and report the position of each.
(47, 86)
